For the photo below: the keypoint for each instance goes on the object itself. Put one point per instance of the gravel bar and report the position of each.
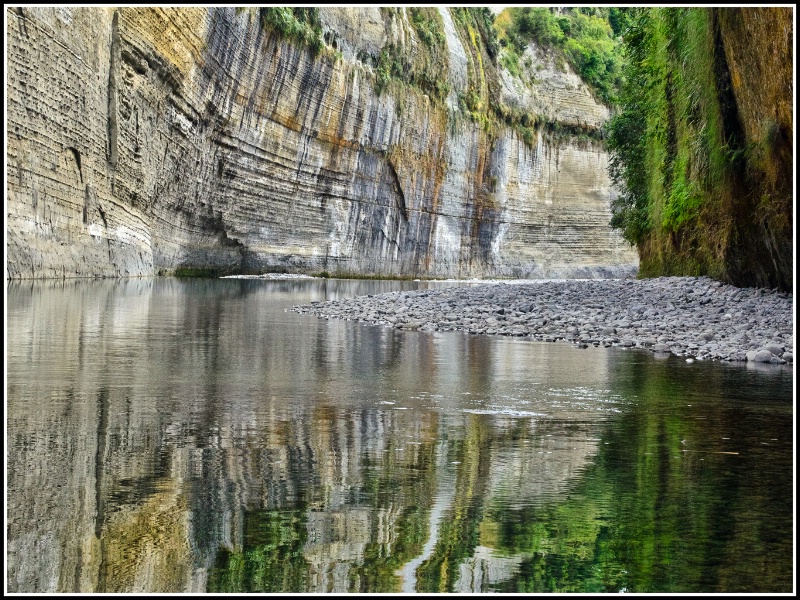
(694, 317)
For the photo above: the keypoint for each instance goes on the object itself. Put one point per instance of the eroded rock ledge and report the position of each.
(694, 317)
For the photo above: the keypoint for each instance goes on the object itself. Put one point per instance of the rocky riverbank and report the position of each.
(694, 317)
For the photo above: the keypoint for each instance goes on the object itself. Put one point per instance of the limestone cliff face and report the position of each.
(145, 140)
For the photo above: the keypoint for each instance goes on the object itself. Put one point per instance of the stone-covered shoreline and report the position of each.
(694, 317)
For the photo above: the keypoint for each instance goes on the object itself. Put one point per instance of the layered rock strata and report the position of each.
(142, 141)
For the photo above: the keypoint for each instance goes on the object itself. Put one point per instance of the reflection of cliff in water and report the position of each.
(153, 513)
(181, 430)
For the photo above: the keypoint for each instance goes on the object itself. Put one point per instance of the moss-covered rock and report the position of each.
(702, 145)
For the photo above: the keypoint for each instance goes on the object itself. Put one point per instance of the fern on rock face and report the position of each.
(298, 24)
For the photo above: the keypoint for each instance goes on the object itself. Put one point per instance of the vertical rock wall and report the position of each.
(145, 140)
(758, 49)
(64, 217)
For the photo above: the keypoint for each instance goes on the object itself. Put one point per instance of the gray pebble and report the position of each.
(760, 356)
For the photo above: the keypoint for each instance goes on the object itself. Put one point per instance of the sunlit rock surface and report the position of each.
(145, 140)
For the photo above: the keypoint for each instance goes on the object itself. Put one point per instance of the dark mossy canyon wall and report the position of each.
(704, 144)
(758, 45)
(142, 141)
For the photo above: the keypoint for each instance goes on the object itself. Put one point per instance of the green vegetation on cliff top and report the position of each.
(587, 38)
(298, 24)
(584, 37)
(425, 69)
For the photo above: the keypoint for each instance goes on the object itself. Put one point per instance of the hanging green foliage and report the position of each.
(584, 37)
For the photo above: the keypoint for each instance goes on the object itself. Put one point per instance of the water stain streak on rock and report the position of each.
(141, 141)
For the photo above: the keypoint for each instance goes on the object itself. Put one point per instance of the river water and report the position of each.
(192, 435)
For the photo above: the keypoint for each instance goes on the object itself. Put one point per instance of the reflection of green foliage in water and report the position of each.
(693, 525)
(566, 544)
(272, 558)
(458, 536)
(377, 571)
(388, 485)
(458, 531)
(662, 509)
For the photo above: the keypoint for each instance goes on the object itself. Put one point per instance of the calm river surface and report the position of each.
(168, 435)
